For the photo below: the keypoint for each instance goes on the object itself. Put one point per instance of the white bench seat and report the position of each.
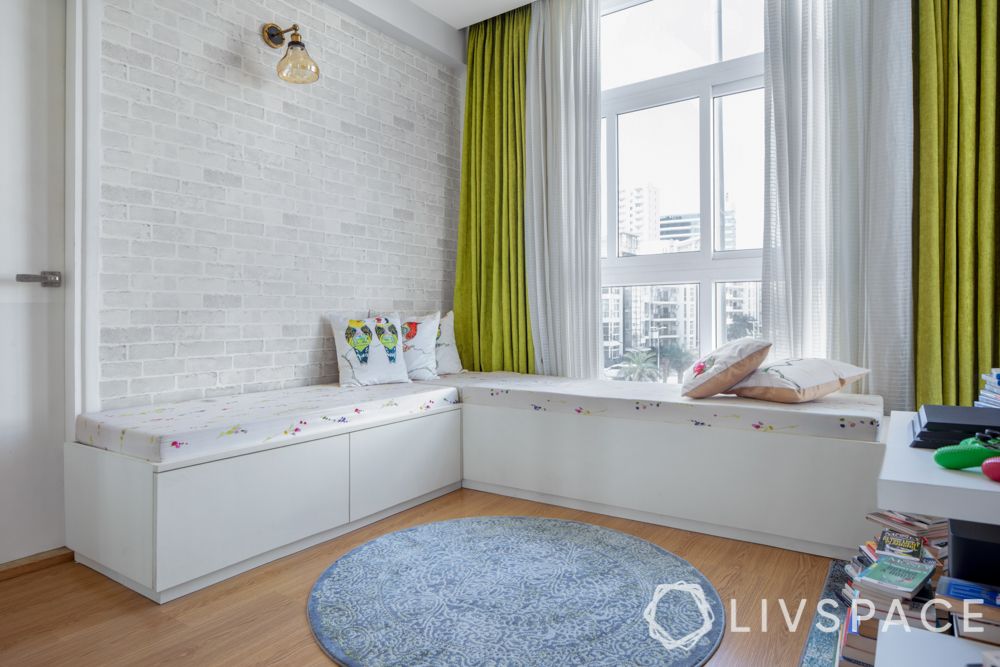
(799, 476)
(217, 427)
(169, 499)
(841, 415)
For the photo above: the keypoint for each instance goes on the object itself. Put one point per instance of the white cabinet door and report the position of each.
(109, 510)
(398, 462)
(217, 514)
(32, 322)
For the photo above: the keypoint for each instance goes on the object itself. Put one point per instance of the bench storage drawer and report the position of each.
(394, 463)
(166, 530)
(212, 515)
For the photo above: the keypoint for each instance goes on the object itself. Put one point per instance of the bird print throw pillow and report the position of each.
(370, 349)
(419, 338)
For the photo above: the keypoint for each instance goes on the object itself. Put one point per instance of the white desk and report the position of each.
(920, 648)
(911, 482)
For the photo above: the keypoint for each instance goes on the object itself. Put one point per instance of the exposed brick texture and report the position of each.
(239, 212)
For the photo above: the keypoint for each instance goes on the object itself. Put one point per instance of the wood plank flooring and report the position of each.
(70, 615)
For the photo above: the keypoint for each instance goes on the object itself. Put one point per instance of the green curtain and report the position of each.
(492, 326)
(956, 309)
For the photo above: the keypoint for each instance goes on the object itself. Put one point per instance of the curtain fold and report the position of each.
(562, 188)
(838, 209)
(492, 327)
(956, 298)
(885, 159)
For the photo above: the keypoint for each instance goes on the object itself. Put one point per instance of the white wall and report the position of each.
(463, 14)
(410, 23)
(238, 211)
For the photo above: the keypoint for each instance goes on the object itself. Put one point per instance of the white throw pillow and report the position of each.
(369, 350)
(448, 361)
(798, 380)
(723, 367)
(419, 342)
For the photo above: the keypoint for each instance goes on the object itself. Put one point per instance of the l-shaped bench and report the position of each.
(169, 499)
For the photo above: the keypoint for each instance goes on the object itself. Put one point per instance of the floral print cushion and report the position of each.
(223, 426)
(843, 416)
(724, 367)
(506, 378)
(797, 380)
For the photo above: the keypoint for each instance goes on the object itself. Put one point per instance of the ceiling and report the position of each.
(463, 13)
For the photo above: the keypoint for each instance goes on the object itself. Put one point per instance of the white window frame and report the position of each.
(706, 267)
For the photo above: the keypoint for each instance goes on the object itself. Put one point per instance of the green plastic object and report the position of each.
(969, 453)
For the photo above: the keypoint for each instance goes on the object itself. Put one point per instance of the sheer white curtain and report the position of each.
(561, 209)
(837, 248)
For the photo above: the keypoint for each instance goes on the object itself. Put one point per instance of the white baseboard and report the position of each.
(220, 575)
(826, 550)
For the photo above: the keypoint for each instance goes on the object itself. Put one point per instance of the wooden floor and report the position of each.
(70, 615)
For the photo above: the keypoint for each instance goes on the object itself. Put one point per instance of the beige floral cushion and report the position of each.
(718, 371)
(798, 380)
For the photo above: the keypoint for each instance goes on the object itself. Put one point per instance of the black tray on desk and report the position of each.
(956, 419)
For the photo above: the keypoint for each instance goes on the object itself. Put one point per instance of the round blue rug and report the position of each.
(514, 591)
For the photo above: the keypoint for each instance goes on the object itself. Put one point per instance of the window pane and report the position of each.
(656, 38)
(650, 331)
(738, 310)
(658, 180)
(604, 187)
(742, 28)
(739, 174)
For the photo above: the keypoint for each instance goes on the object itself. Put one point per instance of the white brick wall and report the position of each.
(239, 211)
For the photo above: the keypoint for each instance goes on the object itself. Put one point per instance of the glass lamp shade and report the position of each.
(297, 66)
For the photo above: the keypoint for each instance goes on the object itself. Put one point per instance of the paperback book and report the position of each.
(989, 395)
(917, 525)
(895, 576)
(899, 545)
(847, 655)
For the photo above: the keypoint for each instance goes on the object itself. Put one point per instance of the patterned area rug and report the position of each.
(514, 591)
(821, 647)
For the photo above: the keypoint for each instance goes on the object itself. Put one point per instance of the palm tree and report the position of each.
(675, 357)
(740, 325)
(640, 366)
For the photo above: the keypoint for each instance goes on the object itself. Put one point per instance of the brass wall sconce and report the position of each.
(296, 66)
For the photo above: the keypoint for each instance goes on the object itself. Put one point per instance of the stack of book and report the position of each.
(857, 641)
(989, 395)
(932, 531)
(982, 603)
(883, 583)
(901, 564)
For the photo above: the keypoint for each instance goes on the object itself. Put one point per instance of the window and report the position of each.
(739, 170)
(739, 310)
(650, 331)
(658, 159)
(682, 145)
